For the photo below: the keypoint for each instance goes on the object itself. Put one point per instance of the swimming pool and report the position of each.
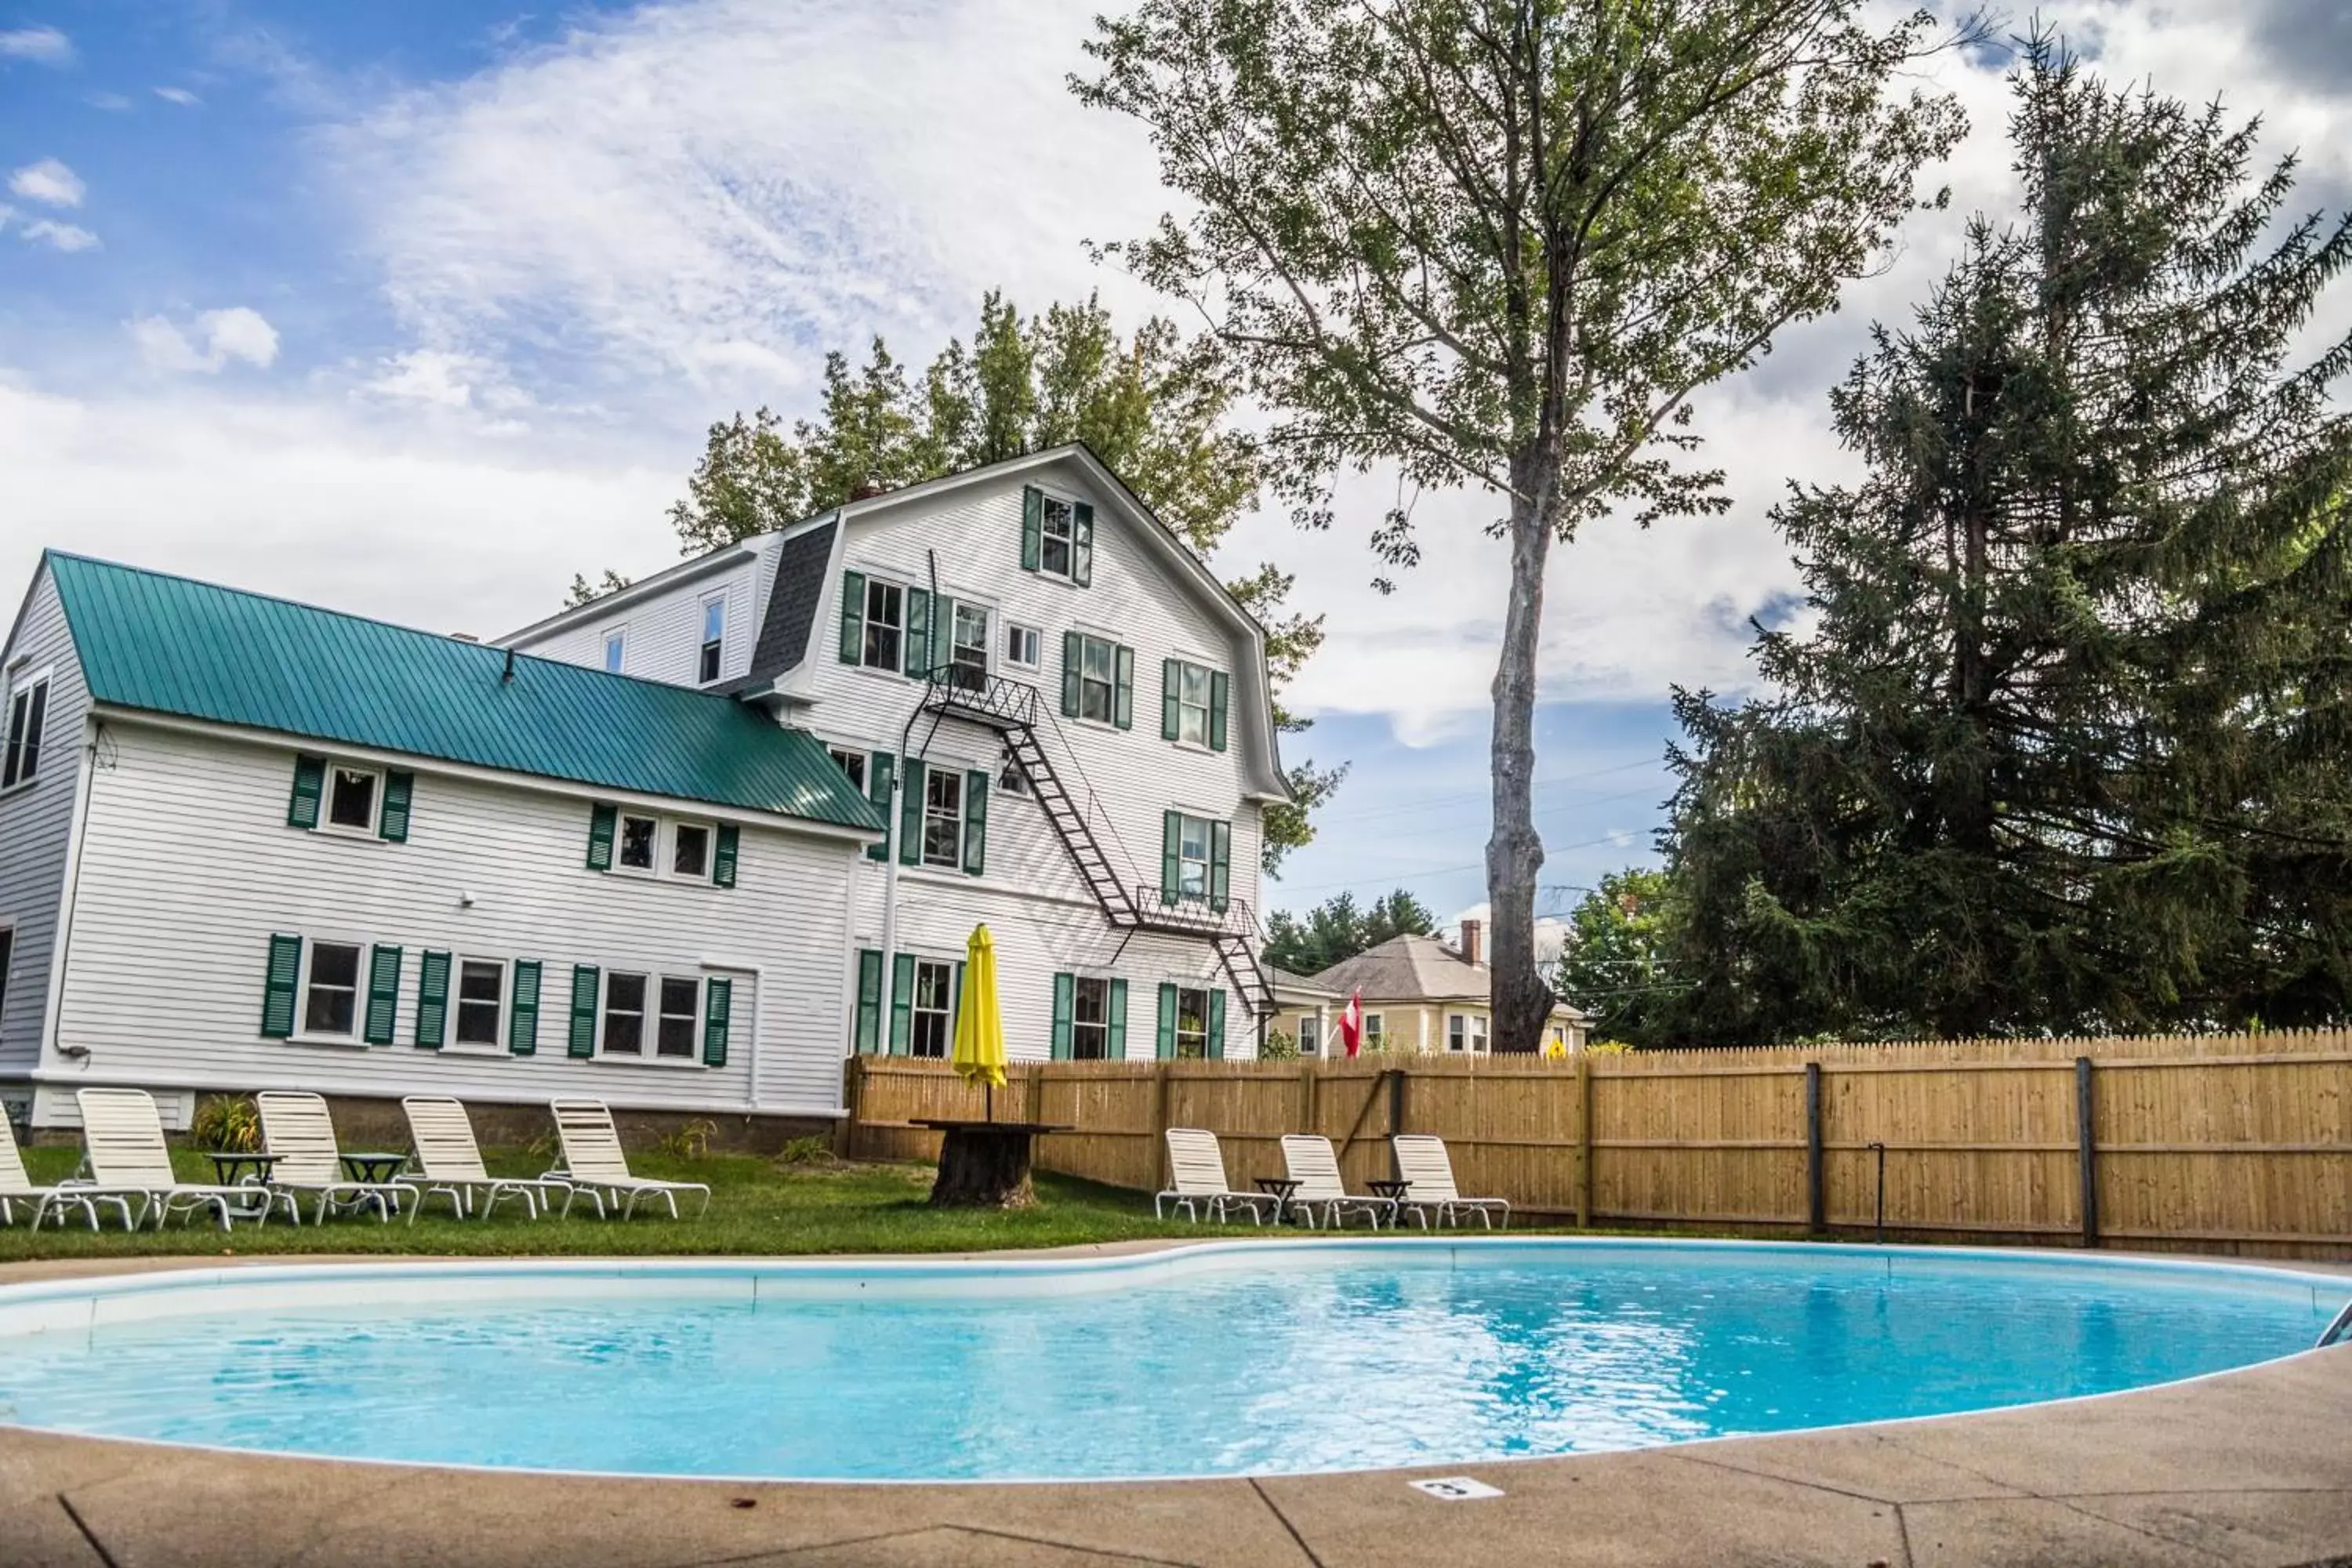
(1222, 1358)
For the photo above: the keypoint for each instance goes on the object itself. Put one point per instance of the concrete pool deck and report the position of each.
(2244, 1467)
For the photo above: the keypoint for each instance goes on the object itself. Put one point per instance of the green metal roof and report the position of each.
(168, 645)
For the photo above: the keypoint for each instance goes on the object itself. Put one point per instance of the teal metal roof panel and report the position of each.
(170, 645)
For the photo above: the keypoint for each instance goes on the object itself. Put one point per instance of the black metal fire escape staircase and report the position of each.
(1014, 710)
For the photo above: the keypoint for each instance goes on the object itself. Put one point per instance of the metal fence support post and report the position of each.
(2086, 1149)
(1583, 1140)
(1816, 1192)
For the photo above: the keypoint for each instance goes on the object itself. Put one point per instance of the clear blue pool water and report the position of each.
(1240, 1360)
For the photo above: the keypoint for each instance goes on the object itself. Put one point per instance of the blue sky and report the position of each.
(417, 309)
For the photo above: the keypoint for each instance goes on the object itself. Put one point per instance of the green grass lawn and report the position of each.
(756, 1206)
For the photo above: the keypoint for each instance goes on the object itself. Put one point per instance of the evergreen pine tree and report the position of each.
(2062, 745)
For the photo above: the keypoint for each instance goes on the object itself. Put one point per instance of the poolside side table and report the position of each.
(984, 1165)
(1281, 1187)
(373, 1168)
(1394, 1192)
(245, 1168)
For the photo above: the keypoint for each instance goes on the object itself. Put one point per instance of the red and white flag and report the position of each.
(1352, 1024)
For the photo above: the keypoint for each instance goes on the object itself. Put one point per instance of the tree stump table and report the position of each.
(984, 1165)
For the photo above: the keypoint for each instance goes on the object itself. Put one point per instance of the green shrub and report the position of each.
(1280, 1046)
(226, 1121)
(810, 1151)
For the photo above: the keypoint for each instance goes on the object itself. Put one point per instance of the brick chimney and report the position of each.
(1472, 930)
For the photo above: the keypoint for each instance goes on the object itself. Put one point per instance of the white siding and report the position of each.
(188, 868)
(664, 639)
(36, 826)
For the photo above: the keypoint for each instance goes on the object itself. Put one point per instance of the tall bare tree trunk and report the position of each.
(1522, 1000)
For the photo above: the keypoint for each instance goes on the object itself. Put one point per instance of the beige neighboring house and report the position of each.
(1419, 995)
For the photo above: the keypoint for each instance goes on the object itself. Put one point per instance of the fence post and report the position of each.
(854, 1101)
(1160, 1124)
(1396, 1100)
(1583, 1140)
(1307, 1085)
(1816, 1194)
(2086, 1151)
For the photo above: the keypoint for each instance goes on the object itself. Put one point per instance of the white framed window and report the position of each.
(481, 1000)
(625, 1013)
(617, 647)
(886, 625)
(681, 1012)
(637, 843)
(931, 1026)
(1466, 1032)
(28, 712)
(331, 989)
(851, 763)
(1098, 678)
(1057, 538)
(943, 817)
(1375, 1030)
(1193, 835)
(1191, 704)
(1311, 1035)
(968, 652)
(1021, 645)
(714, 638)
(354, 795)
(1090, 1018)
(1012, 778)
(690, 850)
(1192, 1024)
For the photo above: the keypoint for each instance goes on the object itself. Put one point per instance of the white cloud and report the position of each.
(64, 236)
(49, 181)
(43, 45)
(179, 95)
(237, 333)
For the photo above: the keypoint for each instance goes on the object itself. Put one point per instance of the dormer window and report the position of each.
(616, 644)
(1057, 536)
(714, 638)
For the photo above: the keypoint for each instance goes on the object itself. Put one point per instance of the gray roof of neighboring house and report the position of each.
(1414, 969)
(1283, 979)
(792, 604)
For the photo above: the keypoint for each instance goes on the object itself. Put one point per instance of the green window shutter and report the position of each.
(1123, 700)
(878, 769)
(278, 987)
(975, 823)
(1171, 855)
(581, 1041)
(853, 617)
(1033, 527)
(723, 856)
(1082, 549)
(911, 815)
(1066, 1001)
(870, 1002)
(1216, 1024)
(717, 1007)
(522, 1013)
(1171, 712)
(310, 784)
(601, 821)
(917, 650)
(1072, 651)
(1167, 1046)
(1115, 1032)
(432, 998)
(1220, 695)
(1221, 851)
(902, 1003)
(391, 821)
(384, 995)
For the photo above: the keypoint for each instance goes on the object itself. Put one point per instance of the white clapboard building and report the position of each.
(682, 848)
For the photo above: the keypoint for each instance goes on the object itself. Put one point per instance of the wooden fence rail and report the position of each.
(2226, 1142)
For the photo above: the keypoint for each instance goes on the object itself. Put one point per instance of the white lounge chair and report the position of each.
(1308, 1160)
(594, 1163)
(122, 1137)
(1427, 1172)
(449, 1163)
(15, 1187)
(1196, 1172)
(300, 1135)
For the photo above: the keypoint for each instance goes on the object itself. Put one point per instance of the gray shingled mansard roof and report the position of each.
(1413, 969)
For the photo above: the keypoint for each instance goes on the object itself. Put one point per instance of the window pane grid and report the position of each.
(481, 990)
(679, 1004)
(624, 1015)
(332, 1005)
(932, 1023)
(943, 819)
(885, 610)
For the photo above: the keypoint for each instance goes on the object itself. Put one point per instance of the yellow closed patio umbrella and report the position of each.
(980, 1027)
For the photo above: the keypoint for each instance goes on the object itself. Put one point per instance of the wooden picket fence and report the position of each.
(2239, 1143)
